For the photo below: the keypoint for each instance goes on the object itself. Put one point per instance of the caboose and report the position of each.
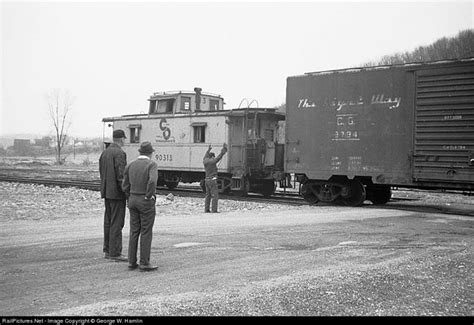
(182, 124)
(352, 134)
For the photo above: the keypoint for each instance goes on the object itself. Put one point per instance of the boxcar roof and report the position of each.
(414, 65)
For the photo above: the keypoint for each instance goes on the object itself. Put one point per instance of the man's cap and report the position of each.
(146, 147)
(118, 134)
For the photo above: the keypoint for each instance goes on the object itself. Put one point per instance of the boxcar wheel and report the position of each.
(308, 195)
(380, 194)
(356, 195)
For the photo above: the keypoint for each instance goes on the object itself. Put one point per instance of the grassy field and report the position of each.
(71, 160)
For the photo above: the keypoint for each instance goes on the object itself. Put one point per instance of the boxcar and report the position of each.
(182, 124)
(353, 134)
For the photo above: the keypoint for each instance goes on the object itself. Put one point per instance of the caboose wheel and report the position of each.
(356, 195)
(171, 185)
(267, 188)
(245, 188)
(223, 184)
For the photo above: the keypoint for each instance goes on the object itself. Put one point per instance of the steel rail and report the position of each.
(396, 203)
(185, 190)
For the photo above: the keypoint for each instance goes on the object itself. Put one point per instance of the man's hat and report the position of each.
(145, 147)
(118, 134)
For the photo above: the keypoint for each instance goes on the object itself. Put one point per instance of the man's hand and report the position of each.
(224, 147)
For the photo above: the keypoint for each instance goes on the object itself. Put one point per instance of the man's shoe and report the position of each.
(147, 267)
(132, 266)
(119, 258)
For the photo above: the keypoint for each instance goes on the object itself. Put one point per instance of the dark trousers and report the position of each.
(212, 194)
(142, 218)
(114, 219)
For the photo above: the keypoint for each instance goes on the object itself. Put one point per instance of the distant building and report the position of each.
(44, 142)
(21, 146)
(6, 142)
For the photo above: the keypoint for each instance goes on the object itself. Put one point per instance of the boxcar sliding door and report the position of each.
(444, 124)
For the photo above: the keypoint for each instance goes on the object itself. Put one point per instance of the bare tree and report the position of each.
(60, 108)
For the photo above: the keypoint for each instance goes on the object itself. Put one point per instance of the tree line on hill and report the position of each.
(460, 46)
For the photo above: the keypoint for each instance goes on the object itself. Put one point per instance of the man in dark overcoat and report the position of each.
(112, 164)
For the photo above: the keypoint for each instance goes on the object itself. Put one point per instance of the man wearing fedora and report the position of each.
(139, 185)
(112, 163)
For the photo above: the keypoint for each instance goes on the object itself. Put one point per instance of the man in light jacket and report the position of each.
(139, 185)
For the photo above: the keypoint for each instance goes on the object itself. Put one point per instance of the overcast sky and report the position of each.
(111, 56)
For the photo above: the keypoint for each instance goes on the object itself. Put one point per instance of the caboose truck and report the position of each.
(353, 134)
(182, 124)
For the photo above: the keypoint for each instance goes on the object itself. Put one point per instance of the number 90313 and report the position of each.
(164, 157)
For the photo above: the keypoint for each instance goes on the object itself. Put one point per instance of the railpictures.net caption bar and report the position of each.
(72, 320)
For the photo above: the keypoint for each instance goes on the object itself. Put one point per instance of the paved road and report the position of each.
(279, 261)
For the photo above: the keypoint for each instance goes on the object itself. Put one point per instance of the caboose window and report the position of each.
(161, 106)
(199, 133)
(185, 103)
(152, 107)
(213, 105)
(168, 105)
(134, 133)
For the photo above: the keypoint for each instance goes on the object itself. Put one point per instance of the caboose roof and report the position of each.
(226, 112)
(176, 93)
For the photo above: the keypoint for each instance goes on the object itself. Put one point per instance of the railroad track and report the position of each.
(87, 185)
(183, 190)
(288, 198)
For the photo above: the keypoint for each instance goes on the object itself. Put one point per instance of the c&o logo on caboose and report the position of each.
(166, 132)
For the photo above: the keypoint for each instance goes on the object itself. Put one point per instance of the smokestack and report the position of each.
(198, 98)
